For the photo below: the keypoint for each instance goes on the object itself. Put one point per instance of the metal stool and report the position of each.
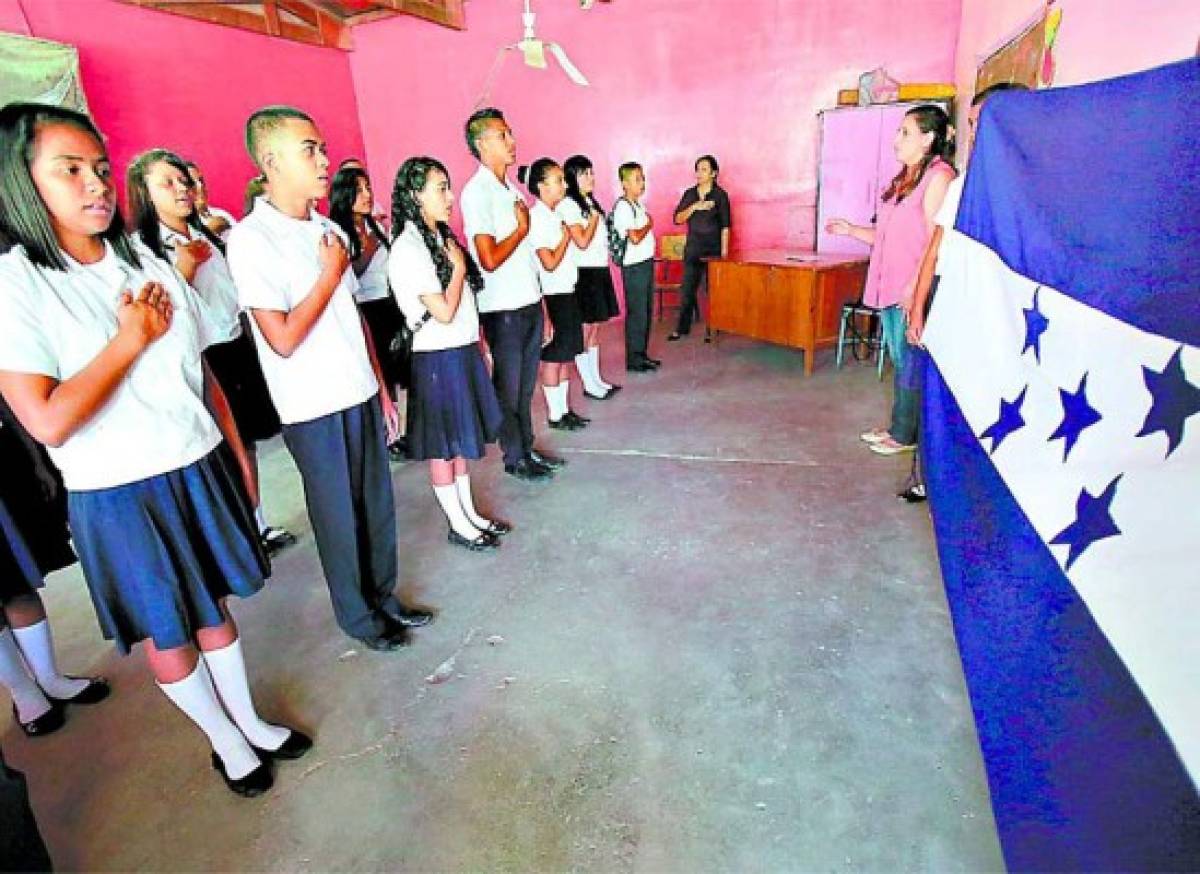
(873, 340)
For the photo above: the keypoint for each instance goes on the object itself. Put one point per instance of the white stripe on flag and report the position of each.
(1142, 586)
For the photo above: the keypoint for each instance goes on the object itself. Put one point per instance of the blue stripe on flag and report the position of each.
(1082, 774)
(1102, 205)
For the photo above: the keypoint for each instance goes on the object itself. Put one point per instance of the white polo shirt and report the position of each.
(54, 323)
(413, 275)
(546, 232)
(373, 284)
(274, 261)
(213, 280)
(224, 214)
(629, 216)
(487, 208)
(596, 253)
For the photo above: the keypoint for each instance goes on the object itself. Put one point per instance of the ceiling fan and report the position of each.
(534, 51)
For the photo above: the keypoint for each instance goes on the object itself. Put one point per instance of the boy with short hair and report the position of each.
(291, 269)
(631, 220)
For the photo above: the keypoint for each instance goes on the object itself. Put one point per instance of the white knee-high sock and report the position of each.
(447, 496)
(564, 394)
(583, 363)
(593, 354)
(463, 485)
(15, 676)
(197, 698)
(37, 645)
(554, 406)
(227, 667)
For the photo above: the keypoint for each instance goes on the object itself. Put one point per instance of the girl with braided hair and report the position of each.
(453, 409)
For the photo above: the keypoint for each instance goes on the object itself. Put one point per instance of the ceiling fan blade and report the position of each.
(570, 69)
(534, 51)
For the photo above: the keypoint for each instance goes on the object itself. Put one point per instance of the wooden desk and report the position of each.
(794, 299)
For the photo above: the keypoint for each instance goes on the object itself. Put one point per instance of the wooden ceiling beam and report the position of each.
(448, 13)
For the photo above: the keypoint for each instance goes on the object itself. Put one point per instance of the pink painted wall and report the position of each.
(1098, 39)
(671, 80)
(154, 79)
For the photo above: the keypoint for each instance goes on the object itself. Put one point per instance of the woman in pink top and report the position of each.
(903, 225)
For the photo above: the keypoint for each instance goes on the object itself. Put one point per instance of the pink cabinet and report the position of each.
(856, 165)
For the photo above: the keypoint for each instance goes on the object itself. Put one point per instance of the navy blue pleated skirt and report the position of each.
(25, 560)
(452, 407)
(159, 554)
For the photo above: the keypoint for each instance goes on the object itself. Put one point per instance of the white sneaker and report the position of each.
(889, 446)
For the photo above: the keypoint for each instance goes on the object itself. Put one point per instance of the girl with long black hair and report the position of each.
(585, 221)
(100, 360)
(351, 205)
(163, 215)
(453, 409)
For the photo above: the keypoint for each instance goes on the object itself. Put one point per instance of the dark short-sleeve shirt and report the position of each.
(704, 227)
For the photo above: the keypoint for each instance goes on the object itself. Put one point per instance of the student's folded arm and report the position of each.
(443, 305)
(284, 331)
(551, 258)
(636, 235)
(493, 253)
(582, 235)
(52, 411)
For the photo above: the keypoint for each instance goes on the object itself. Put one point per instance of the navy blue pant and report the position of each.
(515, 340)
(638, 280)
(343, 463)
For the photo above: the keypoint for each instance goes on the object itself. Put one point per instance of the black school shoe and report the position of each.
(96, 690)
(563, 424)
(295, 746)
(581, 421)
(48, 723)
(393, 637)
(482, 543)
(528, 470)
(409, 617)
(553, 462)
(253, 784)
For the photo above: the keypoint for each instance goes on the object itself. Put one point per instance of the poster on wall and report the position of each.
(1027, 58)
(40, 71)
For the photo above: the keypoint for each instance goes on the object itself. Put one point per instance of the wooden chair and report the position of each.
(668, 268)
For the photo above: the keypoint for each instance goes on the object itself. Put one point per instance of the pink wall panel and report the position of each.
(671, 80)
(1098, 39)
(154, 79)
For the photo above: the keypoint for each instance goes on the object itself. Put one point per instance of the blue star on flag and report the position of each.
(1010, 420)
(1093, 521)
(1035, 325)
(1174, 400)
(1078, 415)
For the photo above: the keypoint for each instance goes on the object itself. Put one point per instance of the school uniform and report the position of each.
(546, 231)
(594, 288)
(453, 409)
(637, 275)
(160, 520)
(217, 212)
(378, 308)
(510, 309)
(232, 358)
(34, 540)
(326, 395)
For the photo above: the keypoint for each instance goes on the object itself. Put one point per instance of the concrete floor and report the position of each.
(716, 642)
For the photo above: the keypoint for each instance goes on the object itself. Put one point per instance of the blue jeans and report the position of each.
(906, 398)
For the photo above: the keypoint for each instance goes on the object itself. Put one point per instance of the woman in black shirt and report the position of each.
(704, 208)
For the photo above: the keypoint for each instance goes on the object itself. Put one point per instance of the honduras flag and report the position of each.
(1062, 440)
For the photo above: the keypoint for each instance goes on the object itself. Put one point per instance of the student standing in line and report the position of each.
(635, 225)
(454, 410)
(704, 208)
(162, 214)
(553, 259)
(496, 225)
(350, 207)
(586, 223)
(34, 541)
(293, 275)
(923, 145)
(100, 360)
(218, 221)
